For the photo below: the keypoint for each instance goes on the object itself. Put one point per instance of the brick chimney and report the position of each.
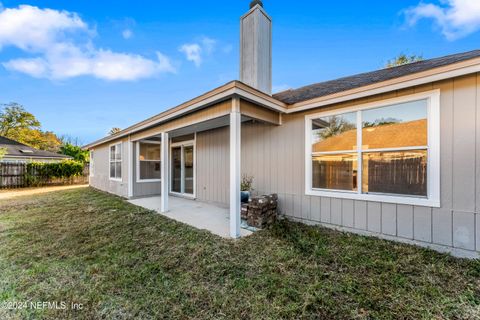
(256, 48)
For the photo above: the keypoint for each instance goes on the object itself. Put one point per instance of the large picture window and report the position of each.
(381, 152)
(148, 164)
(116, 161)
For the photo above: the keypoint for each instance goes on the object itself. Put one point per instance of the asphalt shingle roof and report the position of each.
(14, 148)
(364, 79)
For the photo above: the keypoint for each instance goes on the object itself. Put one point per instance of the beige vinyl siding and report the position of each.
(213, 166)
(215, 111)
(100, 178)
(274, 155)
(252, 110)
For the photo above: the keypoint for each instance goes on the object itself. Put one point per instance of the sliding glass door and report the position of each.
(188, 169)
(177, 169)
(183, 168)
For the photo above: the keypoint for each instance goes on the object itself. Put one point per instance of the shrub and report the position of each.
(41, 172)
(246, 183)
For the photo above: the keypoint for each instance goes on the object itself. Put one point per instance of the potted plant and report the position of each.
(245, 188)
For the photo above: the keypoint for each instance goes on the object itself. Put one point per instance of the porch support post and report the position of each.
(131, 164)
(164, 172)
(235, 154)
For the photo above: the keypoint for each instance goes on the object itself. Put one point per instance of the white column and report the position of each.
(131, 164)
(164, 172)
(235, 144)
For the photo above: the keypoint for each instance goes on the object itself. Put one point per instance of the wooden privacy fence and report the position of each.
(20, 175)
(338, 175)
(404, 176)
(396, 176)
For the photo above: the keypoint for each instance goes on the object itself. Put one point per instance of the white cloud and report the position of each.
(456, 18)
(102, 64)
(195, 52)
(36, 67)
(50, 36)
(208, 44)
(34, 29)
(127, 33)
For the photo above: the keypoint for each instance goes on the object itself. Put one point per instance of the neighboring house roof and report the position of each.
(403, 134)
(20, 150)
(363, 79)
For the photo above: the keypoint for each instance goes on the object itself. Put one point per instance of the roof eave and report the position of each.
(216, 95)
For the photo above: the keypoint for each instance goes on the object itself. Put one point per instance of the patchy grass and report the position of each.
(121, 261)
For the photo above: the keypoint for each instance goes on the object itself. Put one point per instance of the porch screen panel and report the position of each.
(149, 161)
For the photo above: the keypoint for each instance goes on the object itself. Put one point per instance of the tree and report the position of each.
(381, 122)
(20, 125)
(65, 138)
(337, 125)
(114, 130)
(15, 118)
(3, 152)
(76, 152)
(403, 59)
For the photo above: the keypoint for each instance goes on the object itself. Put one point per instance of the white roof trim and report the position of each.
(392, 87)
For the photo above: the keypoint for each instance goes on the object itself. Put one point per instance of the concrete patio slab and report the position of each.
(197, 214)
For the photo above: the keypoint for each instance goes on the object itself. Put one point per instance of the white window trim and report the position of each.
(137, 170)
(433, 156)
(110, 160)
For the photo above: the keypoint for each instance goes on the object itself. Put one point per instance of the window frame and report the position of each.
(433, 152)
(110, 161)
(137, 166)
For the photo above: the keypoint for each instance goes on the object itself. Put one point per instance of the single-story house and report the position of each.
(393, 153)
(19, 152)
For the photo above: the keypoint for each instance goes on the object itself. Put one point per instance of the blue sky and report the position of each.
(83, 67)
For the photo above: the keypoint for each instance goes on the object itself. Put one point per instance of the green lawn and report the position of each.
(120, 261)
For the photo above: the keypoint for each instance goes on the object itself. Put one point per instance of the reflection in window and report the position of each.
(392, 154)
(336, 172)
(335, 133)
(149, 161)
(401, 125)
(402, 172)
